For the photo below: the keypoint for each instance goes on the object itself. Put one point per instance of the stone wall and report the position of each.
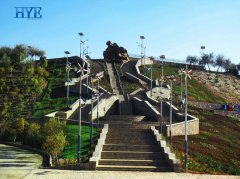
(178, 126)
(141, 76)
(68, 113)
(178, 129)
(105, 107)
(235, 114)
(144, 108)
(203, 105)
(166, 108)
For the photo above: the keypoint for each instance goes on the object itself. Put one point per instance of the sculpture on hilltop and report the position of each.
(115, 53)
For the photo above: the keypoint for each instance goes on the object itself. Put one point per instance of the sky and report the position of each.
(175, 28)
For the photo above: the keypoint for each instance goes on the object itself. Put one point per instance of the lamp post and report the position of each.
(202, 48)
(97, 102)
(81, 73)
(142, 48)
(187, 75)
(68, 67)
(171, 78)
(80, 34)
(91, 128)
(161, 119)
(151, 77)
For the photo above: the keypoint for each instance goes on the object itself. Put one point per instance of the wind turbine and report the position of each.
(187, 75)
(81, 73)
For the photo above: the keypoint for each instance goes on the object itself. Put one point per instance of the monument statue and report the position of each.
(115, 53)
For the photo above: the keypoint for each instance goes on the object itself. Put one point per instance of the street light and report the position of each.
(161, 120)
(91, 128)
(68, 67)
(81, 73)
(187, 75)
(171, 78)
(83, 44)
(142, 48)
(80, 34)
(202, 48)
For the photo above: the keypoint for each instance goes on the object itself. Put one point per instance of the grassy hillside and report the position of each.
(196, 89)
(54, 97)
(216, 149)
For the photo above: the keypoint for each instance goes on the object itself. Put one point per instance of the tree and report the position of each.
(207, 59)
(238, 67)
(33, 135)
(13, 129)
(219, 61)
(227, 64)
(21, 125)
(33, 52)
(192, 59)
(53, 126)
(54, 144)
(19, 54)
(43, 62)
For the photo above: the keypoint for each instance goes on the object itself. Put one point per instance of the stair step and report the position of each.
(131, 155)
(135, 141)
(117, 147)
(128, 162)
(133, 168)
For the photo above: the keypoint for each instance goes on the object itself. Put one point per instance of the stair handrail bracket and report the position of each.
(98, 149)
(173, 161)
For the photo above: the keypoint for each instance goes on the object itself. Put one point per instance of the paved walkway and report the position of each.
(66, 174)
(16, 162)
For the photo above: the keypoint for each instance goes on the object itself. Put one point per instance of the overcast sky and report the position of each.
(176, 28)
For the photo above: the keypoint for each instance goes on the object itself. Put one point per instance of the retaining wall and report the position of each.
(203, 105)
(141, 76)
(105, 107)
(178, 128)
(68, 113)
(144, 108)
(132, 77)
(235, 114)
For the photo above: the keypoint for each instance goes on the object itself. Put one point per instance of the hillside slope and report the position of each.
(225, 86)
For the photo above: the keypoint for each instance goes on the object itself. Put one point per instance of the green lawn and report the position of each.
(70, 151)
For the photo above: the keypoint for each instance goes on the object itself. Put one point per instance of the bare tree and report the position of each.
(238, 67)
(219, 61)
(192, 60)
(227, 64)
(207, 59)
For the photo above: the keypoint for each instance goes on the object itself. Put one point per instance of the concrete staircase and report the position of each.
(132, 147)
(125, 105)
(114, 79)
